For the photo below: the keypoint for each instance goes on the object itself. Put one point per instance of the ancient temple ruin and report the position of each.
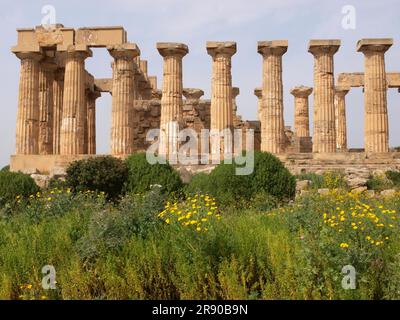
(56, 121)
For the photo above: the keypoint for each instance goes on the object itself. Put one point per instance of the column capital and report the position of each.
(235, 92)
(156, 94)
(31, 55)
(275, 47)
(342, 90)
(301, 91)
(374, 45)
(192, 93)
(172, 49)
(215, 48)
(124, 51)
(78, 51)
(330, 46)
(258, 92)
(94, 94)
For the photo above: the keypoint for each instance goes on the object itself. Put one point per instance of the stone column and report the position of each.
(273, 135)
(221, 93)
(340, 116)
(46, 107)
(324, 140)
(301, 110)
(58, 94)
(122, 124)
(91, 120)
(171, 101)
(258, 94)
(74, 102)
(376, 124)
(27, 133)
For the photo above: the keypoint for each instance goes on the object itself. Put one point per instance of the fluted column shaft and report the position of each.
(58, 95)
(46, 107)
(324, 94)
(221, 110)
(27, 131)
(91, 121)
(122, 123)
(74, 104)
(301, 111)
(340, 115)
(171, 100)
(258, 94)
(376, 124)
(273, 134)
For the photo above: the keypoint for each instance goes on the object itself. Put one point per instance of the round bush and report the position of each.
(14, 184)
(143, 175)
(102, 174)
(269, 177)
(6, 168)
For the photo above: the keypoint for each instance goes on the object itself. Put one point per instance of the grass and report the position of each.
(125, 250)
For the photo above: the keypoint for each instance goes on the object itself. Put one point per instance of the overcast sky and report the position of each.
(194, 23)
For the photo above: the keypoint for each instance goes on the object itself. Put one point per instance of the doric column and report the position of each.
(301, 110)
(91, 120)
(122, 124)
(340, 117)
(74, 102)
(235, 93)
(258, 94)
(46, 107)
(171, 101)
(273, 136)
(221, 92)
(27, 134)
(324, 140)
(58, 94)
(376, 124)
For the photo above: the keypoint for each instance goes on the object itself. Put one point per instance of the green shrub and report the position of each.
(6, 168)
(328, 180)
(13, 184)
(379, 183)
(394, 176)
(269, 177)
(102, 174)
(198, 184)
(143, 175)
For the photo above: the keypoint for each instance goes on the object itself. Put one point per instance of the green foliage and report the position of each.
(269, 179)
(142, 175)
(102, 174)
(379, 183)
(394, 176)
(6, 168)
(15, 184)
(328, 180)
(106, 250)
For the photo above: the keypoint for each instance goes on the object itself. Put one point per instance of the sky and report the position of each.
(195, 22)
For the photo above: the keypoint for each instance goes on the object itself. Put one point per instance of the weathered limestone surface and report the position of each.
(27, 133)
(91, 120)
(258, 94)
(301, 110)
(122, 127)
(273, 134)
(46, 106)
(324, 93)
(74, 102)
(356, 79)
(376, 124)
(221, 94)
(171, 101)
(58, 94)
(340, 115)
